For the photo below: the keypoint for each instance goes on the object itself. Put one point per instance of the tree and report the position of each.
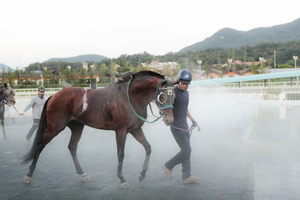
(102, 72)
(82, 74)
(253, 68)
(11, 76)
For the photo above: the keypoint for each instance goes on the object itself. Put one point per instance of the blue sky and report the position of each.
(35, 31)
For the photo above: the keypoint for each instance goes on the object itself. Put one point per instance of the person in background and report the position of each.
(37, 104)
(180, 129)
(8, 109)
(10, 112)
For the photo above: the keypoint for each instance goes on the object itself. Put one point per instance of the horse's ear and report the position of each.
(166, 83)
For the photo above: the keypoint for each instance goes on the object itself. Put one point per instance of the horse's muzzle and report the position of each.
(168, 118)
(11, 103)
(168, 121)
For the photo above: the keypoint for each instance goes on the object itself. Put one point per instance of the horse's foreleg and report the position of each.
(76, 129)
(121, 139)
(4, 133)
(139, 136)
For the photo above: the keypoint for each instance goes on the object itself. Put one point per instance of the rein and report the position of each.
(24, 116)
(140, 117)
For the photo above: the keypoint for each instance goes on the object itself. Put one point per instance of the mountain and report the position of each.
(5, 67)
(231, 38)
(81, 58)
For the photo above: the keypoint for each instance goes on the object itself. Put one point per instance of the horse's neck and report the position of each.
(144, 92)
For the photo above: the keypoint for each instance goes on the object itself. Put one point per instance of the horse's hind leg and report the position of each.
(28, 177)
(36, 150)
(139, 136)
(76, 128)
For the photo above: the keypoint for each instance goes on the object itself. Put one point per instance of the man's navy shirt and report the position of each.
(180, 104)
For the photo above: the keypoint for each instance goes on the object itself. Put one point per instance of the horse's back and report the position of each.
(66, 102)
(98, 108)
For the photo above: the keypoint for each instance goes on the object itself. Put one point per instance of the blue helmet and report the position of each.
(185, 75)
(41, 89)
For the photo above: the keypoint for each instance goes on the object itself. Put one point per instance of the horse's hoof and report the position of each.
(124, 185)
(27, 179)
(141, 178)
(85, 177)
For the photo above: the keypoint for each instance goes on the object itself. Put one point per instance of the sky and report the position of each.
(36, 30)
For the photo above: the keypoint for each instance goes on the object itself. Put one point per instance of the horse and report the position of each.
(7, 98)
(120, 106)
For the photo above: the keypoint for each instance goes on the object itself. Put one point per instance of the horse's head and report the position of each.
(8, 95)
(164, 100)
(161, 90)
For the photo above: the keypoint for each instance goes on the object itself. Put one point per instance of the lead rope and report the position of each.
(25, 116)
(190, 130)
(140, 117)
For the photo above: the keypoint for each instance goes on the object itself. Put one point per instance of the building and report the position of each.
(156, 65)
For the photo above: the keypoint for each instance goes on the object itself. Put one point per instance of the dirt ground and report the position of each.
(229, 167)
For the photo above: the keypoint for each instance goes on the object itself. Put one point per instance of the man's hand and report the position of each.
(195, 124)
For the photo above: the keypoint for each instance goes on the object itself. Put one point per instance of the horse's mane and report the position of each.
(141, 74)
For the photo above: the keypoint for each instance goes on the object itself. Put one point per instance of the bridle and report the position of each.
(164, 99)
(6, 94)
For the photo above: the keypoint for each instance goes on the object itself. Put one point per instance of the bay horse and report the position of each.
(7, 98)
(120, 106)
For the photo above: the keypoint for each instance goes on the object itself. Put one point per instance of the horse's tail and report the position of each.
(38, 141)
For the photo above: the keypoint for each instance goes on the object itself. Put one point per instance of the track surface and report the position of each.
(229, 167)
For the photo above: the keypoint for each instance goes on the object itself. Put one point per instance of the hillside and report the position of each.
(231, 38)
(5, 67)
(81, 58)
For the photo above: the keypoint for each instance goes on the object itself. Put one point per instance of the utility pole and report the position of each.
(275, 60)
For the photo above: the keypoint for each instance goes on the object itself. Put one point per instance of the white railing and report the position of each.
(260, 84)
(31, 92)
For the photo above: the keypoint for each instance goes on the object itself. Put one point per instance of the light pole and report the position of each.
(199, 62)
(92, 67)
(69, 74)
(230, 61)
(275, 60)
(45, 75)
(22, 78)
(261, 59)
(295, 59)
